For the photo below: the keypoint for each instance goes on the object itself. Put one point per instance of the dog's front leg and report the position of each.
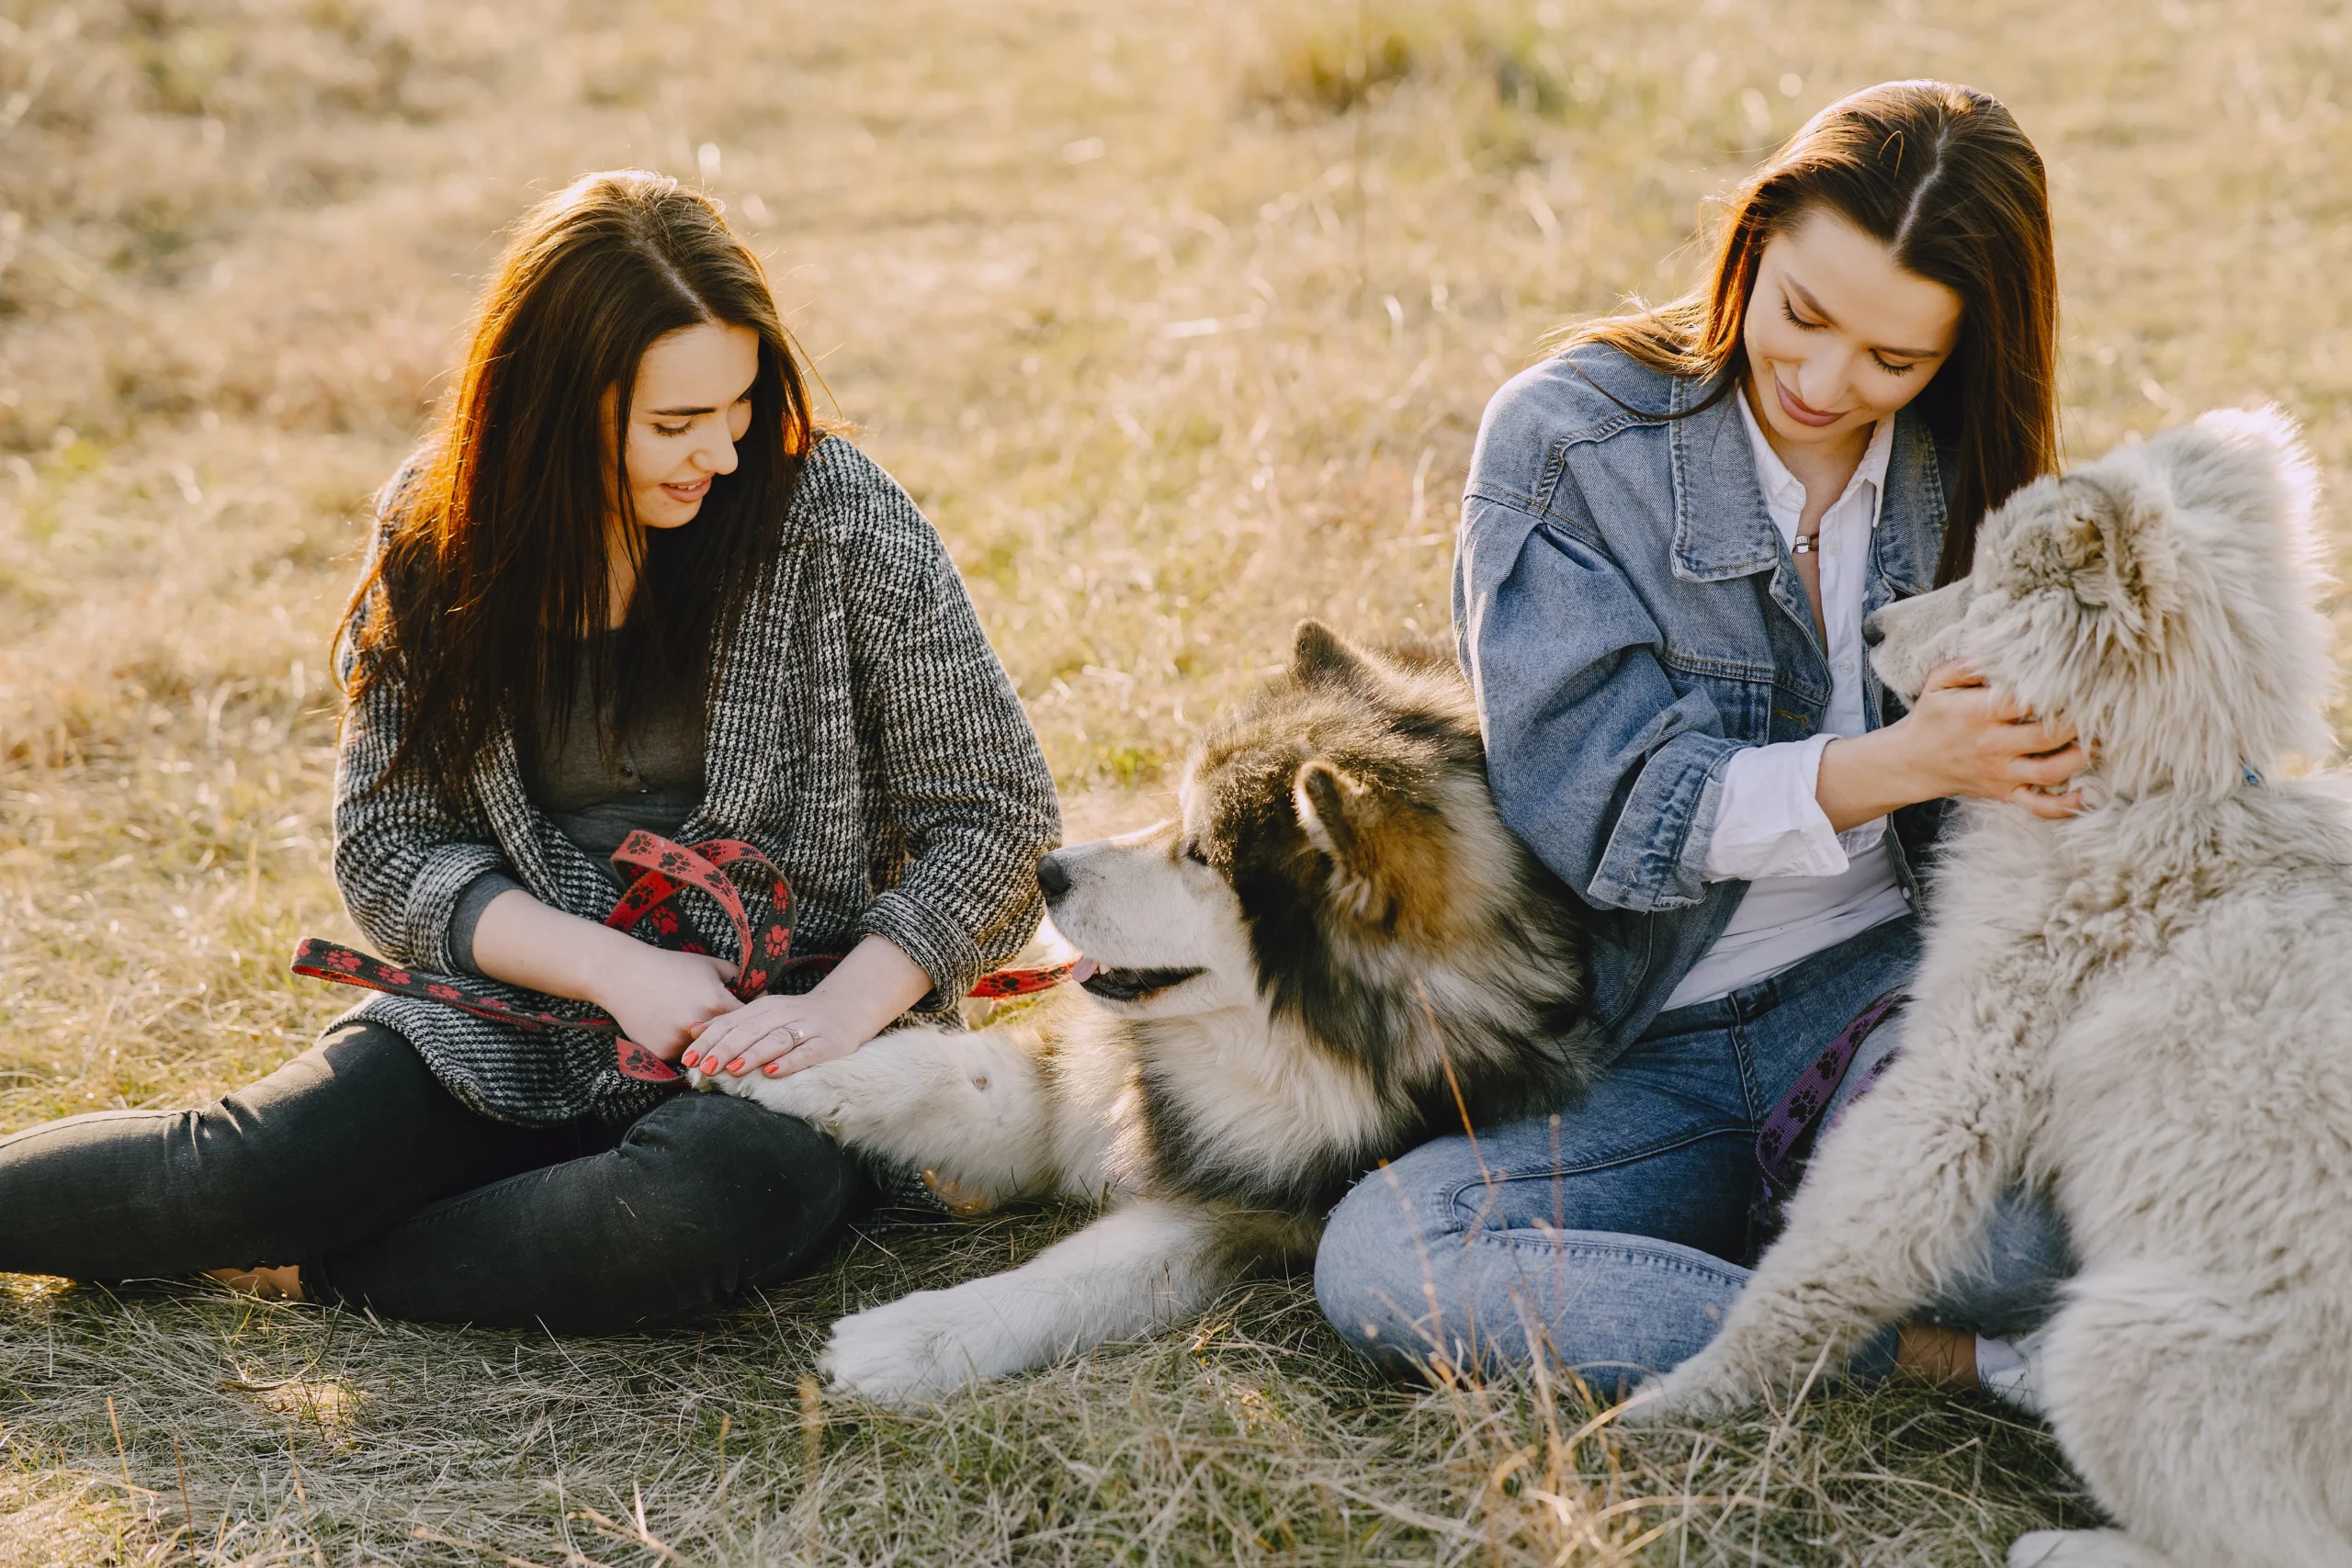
(1137, 1269)
(970, 1111)
(1895, 1200)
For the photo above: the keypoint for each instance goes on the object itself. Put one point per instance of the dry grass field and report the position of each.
(1177, 319)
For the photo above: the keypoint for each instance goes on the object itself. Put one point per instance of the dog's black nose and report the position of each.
(1053, 877)
(1873, 633)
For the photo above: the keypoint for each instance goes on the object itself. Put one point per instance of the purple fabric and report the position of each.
(1782, 1143)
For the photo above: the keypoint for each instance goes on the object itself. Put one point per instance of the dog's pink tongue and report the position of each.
(1082, 971)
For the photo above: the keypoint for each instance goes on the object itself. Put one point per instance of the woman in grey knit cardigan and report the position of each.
(630, 583)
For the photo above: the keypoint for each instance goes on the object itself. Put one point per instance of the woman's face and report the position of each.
(1838, 337)
(693, 402)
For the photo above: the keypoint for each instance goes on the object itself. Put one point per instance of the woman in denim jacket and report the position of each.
(1673, 535)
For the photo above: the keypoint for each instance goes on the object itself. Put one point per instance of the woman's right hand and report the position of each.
(658, 998)
(655, 995)
(1960, 738)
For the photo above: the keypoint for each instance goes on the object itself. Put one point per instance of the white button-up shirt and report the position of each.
(1810, 887)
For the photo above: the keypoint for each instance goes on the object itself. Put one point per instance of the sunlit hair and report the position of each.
(1943, 177)
(493, 574)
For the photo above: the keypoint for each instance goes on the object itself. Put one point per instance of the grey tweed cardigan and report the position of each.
(863, 734)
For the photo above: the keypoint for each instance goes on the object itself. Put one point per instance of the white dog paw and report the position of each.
(909, 1352)
(1651, 1406)
(1694, 1392)
(2039, 1548)
(724, 1083)
(813, 1095)
(2083, 1549)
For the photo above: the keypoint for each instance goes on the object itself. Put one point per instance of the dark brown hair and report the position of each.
(493, 574)
(1942, 177)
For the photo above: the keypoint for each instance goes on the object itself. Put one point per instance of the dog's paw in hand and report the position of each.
(909, 1352)
(743, 1085)
(817, 1097)
(813, 1095)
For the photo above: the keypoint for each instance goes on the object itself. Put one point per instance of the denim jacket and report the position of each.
(1630, 619)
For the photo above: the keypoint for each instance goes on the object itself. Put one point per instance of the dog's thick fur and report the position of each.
(1336, 951)
(2144, 1008)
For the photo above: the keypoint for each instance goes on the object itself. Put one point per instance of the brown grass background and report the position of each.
(1177, 320)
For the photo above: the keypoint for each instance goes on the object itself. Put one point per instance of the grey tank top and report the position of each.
(598, 784)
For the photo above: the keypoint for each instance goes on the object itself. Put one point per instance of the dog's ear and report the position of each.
(2122, 556)
(1380, 845)
(1320, 656)
(1322, 795)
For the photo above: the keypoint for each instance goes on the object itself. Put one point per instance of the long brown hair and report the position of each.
(1941, 176)
(492, 573)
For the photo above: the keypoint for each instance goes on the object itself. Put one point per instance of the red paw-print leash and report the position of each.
(664, 870)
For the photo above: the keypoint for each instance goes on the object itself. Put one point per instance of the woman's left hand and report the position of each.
(764, 1032)
(776, 1036)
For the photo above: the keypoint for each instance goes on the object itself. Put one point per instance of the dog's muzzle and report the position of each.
(1873, 633)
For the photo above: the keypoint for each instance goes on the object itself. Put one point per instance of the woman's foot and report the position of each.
(282, 1284)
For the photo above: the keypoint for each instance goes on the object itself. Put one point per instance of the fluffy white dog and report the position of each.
(2144, 1008)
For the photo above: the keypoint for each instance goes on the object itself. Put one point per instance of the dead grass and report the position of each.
(1248, 1438)
(1177, 319)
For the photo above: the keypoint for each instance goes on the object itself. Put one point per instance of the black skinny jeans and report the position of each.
(354, 1162)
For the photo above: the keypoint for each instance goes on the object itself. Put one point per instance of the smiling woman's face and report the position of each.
(1839, 336)
(691, 403)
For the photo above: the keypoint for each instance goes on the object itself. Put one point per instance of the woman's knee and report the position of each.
(320, 1150)
(1373, 1269)
(762, 1188)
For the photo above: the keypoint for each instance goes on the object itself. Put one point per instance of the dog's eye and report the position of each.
(1193, 852)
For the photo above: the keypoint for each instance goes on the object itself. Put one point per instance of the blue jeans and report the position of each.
(1603, 1236)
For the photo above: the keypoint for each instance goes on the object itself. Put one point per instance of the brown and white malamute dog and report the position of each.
(1337, 951)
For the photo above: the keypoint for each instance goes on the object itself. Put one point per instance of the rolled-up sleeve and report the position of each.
(1769, 822)
(1609, 772)
(964, 782)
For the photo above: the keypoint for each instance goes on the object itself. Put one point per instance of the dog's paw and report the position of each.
(2083, 1549)
(909, 1352)
(721, 1083)
(1697, 1390)
(814, 1096)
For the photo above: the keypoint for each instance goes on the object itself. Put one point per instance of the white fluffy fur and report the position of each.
(1139, 1267)
(2144, 1008)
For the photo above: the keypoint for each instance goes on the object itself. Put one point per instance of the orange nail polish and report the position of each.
(688, 1058)
(736, 1065)
(773, 1068)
